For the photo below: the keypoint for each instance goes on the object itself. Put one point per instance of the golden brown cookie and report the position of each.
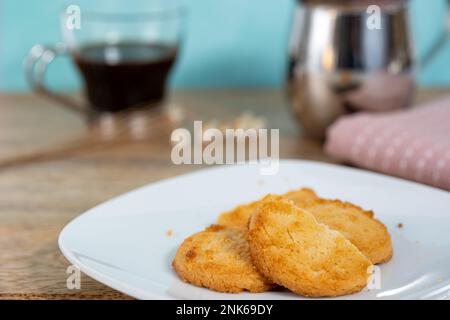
(239, 216)
(301, 195)
(218, 258)
(368, 234)
(292, 249)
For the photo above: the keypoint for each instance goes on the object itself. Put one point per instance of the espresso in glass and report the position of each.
(124, 75)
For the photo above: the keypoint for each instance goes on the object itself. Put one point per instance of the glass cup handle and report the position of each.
(36, 64)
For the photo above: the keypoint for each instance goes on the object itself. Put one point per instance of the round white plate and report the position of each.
(126, 244)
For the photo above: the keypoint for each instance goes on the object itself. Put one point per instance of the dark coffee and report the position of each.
(124, 75)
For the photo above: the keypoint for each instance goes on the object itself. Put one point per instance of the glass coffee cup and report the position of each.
(124, 58)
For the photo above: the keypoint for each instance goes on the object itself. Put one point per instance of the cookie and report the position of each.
(359, 226)
(300, 196)
(218, 258)
(292, 249)
(239, 216)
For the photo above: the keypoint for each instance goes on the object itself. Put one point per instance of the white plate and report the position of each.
(123, 243)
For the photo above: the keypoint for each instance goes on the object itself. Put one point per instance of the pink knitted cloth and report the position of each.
(412, 144)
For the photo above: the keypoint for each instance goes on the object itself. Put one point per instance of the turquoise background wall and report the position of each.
(228, 43)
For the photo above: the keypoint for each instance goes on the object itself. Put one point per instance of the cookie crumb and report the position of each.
(169, 233)
(400, 225)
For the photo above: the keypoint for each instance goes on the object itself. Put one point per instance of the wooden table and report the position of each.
(53, 166)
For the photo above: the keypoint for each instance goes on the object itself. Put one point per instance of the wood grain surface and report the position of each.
(54, 166)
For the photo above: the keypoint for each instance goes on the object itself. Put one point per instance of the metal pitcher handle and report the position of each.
(36, 64)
